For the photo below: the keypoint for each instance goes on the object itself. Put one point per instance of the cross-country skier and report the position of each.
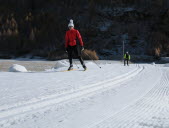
(126, 58)
(71, 44)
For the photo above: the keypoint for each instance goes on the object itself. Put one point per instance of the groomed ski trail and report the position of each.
(150, 111)
(126, 95)
(11, 111)
(138, 99)
(43, 98)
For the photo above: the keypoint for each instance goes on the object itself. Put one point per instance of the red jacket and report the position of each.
(71, 36)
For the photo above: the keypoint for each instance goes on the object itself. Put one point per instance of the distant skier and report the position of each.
(71, 45)
(126, 58)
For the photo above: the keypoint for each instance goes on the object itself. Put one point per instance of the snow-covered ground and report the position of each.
(135, 96)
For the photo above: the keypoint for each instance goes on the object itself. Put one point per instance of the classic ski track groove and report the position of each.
(149, 111)
(55, 99)
(140, 96)
(42, 98)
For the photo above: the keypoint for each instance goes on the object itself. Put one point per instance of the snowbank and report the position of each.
(153, 63)
(60, 64)
(17, 68)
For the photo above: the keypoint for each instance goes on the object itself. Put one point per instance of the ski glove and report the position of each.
(82, 48)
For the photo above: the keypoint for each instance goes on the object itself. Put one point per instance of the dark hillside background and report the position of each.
(37, 27)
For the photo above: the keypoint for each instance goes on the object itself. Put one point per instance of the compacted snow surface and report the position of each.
(135, 96)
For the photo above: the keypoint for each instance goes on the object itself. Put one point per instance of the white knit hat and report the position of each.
(71, 24)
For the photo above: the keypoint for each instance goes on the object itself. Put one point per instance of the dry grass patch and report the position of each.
(89, 54)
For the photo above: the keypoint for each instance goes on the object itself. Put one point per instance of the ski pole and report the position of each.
(76, 64)
(92, 60)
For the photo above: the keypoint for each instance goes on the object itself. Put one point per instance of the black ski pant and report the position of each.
(126, 61)
(77, 52)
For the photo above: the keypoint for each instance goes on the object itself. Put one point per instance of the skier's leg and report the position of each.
(81, 60)
(127, 62)
(124, 62)
(77, 51)
(70, 57)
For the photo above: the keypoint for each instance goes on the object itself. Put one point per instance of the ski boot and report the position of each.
(85, 68)
(70, 68)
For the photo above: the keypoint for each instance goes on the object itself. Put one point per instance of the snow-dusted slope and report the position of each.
(114, 96)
